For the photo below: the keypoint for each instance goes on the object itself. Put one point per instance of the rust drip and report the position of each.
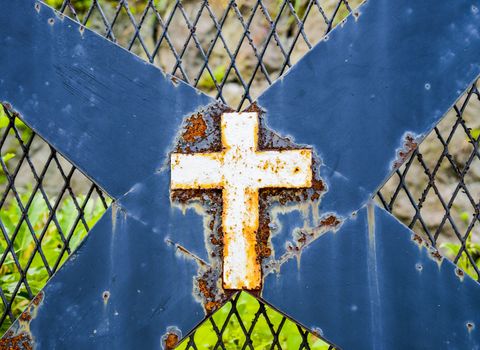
(302, 239)
(213, 295)
(410, 144)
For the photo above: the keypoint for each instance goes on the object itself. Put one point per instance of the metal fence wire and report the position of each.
(230, 49)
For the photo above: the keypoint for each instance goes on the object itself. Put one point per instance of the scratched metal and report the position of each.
(107, 111)
(136, 275)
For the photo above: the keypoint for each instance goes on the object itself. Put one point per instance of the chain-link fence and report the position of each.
(230, 49)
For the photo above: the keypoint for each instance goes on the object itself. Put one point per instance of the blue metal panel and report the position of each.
(372, 285)
(353, 97)
(106, 110)
(395, 69)
(122, 290)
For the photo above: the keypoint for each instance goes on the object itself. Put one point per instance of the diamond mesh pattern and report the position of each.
(437, 193)
(232, 50)
(246, 323)
(46, 207)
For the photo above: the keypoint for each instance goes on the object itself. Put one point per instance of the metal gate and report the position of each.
(149, 29)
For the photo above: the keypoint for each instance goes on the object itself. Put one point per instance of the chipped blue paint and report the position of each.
(394, 70)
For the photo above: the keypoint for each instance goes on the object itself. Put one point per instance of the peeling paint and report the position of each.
(171, 338)
(409, 145)
(302, 238)
(19, 337)
(241, 169)
(201, 133)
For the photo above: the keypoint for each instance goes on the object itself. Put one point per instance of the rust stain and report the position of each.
(416, 238)
(409, 146)
(19, 337)
(302, 239)
(105, 297)
(330, 221)
(207, 139)
(174, 80)
(187, 253)
(201, 135)
(12, 341)
(240, 170)
(460, 273)
(436, 255)
(171, 340)
(195, 128)
(214, 296)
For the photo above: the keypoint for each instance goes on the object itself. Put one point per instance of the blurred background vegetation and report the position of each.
(63, 205)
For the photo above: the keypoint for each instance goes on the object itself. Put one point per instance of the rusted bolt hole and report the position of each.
(51, 21)
(171, 340)
(470, 326)
(106, 295)
(37, 7)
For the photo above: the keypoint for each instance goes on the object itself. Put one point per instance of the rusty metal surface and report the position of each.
(240, 170)
(151, 269)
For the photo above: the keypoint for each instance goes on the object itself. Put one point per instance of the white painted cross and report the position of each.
(240, 170)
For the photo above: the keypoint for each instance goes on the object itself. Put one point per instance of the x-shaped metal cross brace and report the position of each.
(393, 70)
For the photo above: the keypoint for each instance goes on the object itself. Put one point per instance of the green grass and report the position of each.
(261, 337)
(24, 244)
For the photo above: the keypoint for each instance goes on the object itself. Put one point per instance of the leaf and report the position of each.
(475, 133)
(8, 156)
(452, 249)
(465, 217)
(4, 120)
(206, 81)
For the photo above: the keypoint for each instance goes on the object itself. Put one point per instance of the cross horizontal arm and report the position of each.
(284, 169)
(197, 170)
(107, 111)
